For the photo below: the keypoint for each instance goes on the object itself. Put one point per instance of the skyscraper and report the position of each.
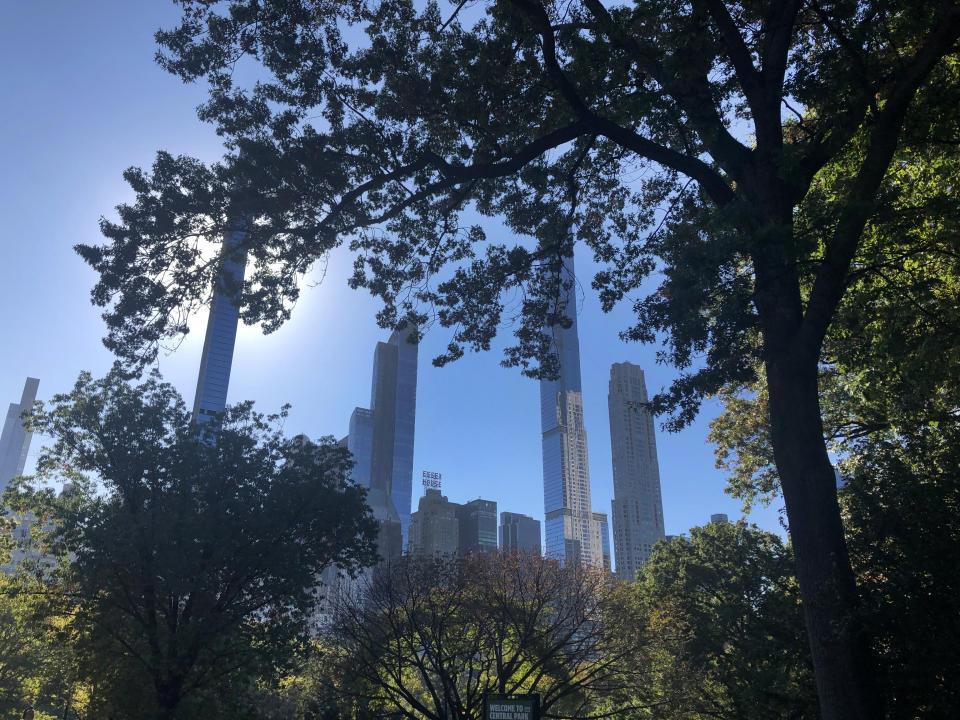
(393, 403)
(478, 526)
(566, 473)
(15, 440)
(519, 533)
(637, 505)
(360, 444)
(218, 343)
(434, 527)
(601, 536)
(405, 427)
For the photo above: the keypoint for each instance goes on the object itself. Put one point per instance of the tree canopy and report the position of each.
(192, 554)
(725, 608)
(430, 638)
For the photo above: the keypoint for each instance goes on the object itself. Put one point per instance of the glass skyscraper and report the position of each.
(519, 533)
(571, 531)
(218, 343)
(393, 404)
(637, 504)
(360, 444)
(404, 428)
(478, 526)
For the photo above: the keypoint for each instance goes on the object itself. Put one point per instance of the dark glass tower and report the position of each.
(393, 401)
(519, 533)
(478, 526)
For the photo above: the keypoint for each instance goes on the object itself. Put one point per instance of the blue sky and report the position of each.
(82, 101)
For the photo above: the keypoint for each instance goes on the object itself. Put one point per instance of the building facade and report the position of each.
(15, 440)
(393, 403)
(519, 533)
(405, 425)
(477, 526)
(637, 503)
(434, 527)
(360, 444)
(600, 527)
(216, 361)
(569, 534)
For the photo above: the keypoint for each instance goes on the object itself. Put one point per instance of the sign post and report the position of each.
(511, 707)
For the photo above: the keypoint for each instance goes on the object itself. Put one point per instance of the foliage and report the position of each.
(429, 638)
(37, 661)
(193, 565)
(889, 359)
(726, 608)
(902, 508)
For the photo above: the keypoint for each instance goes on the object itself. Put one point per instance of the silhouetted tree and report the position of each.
(192, 554)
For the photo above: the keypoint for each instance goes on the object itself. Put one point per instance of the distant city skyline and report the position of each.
(70, 138)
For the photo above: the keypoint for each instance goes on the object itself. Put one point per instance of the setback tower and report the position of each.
(637, 504)
(570, 527)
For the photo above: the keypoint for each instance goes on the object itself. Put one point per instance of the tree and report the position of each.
(901, 503)
(726, 605)
(889, 399)
(194, 562)
(686, 138)
(37, 661)
(429, 638)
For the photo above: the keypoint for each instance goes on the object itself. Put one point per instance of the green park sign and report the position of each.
(511, 707)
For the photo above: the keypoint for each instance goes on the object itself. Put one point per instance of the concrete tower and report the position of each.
(434, 527)
(637, 505)
(15, 440)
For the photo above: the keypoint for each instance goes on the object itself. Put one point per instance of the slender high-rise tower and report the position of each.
(405, 427)
(218, 344)
(637, 505)
(15, 440)
(570, 527)
(393, 404)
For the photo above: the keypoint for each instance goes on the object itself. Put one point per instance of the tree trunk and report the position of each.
(842, 659)
(169, 695)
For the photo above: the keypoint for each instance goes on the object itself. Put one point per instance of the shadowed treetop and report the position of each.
(653, 133)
